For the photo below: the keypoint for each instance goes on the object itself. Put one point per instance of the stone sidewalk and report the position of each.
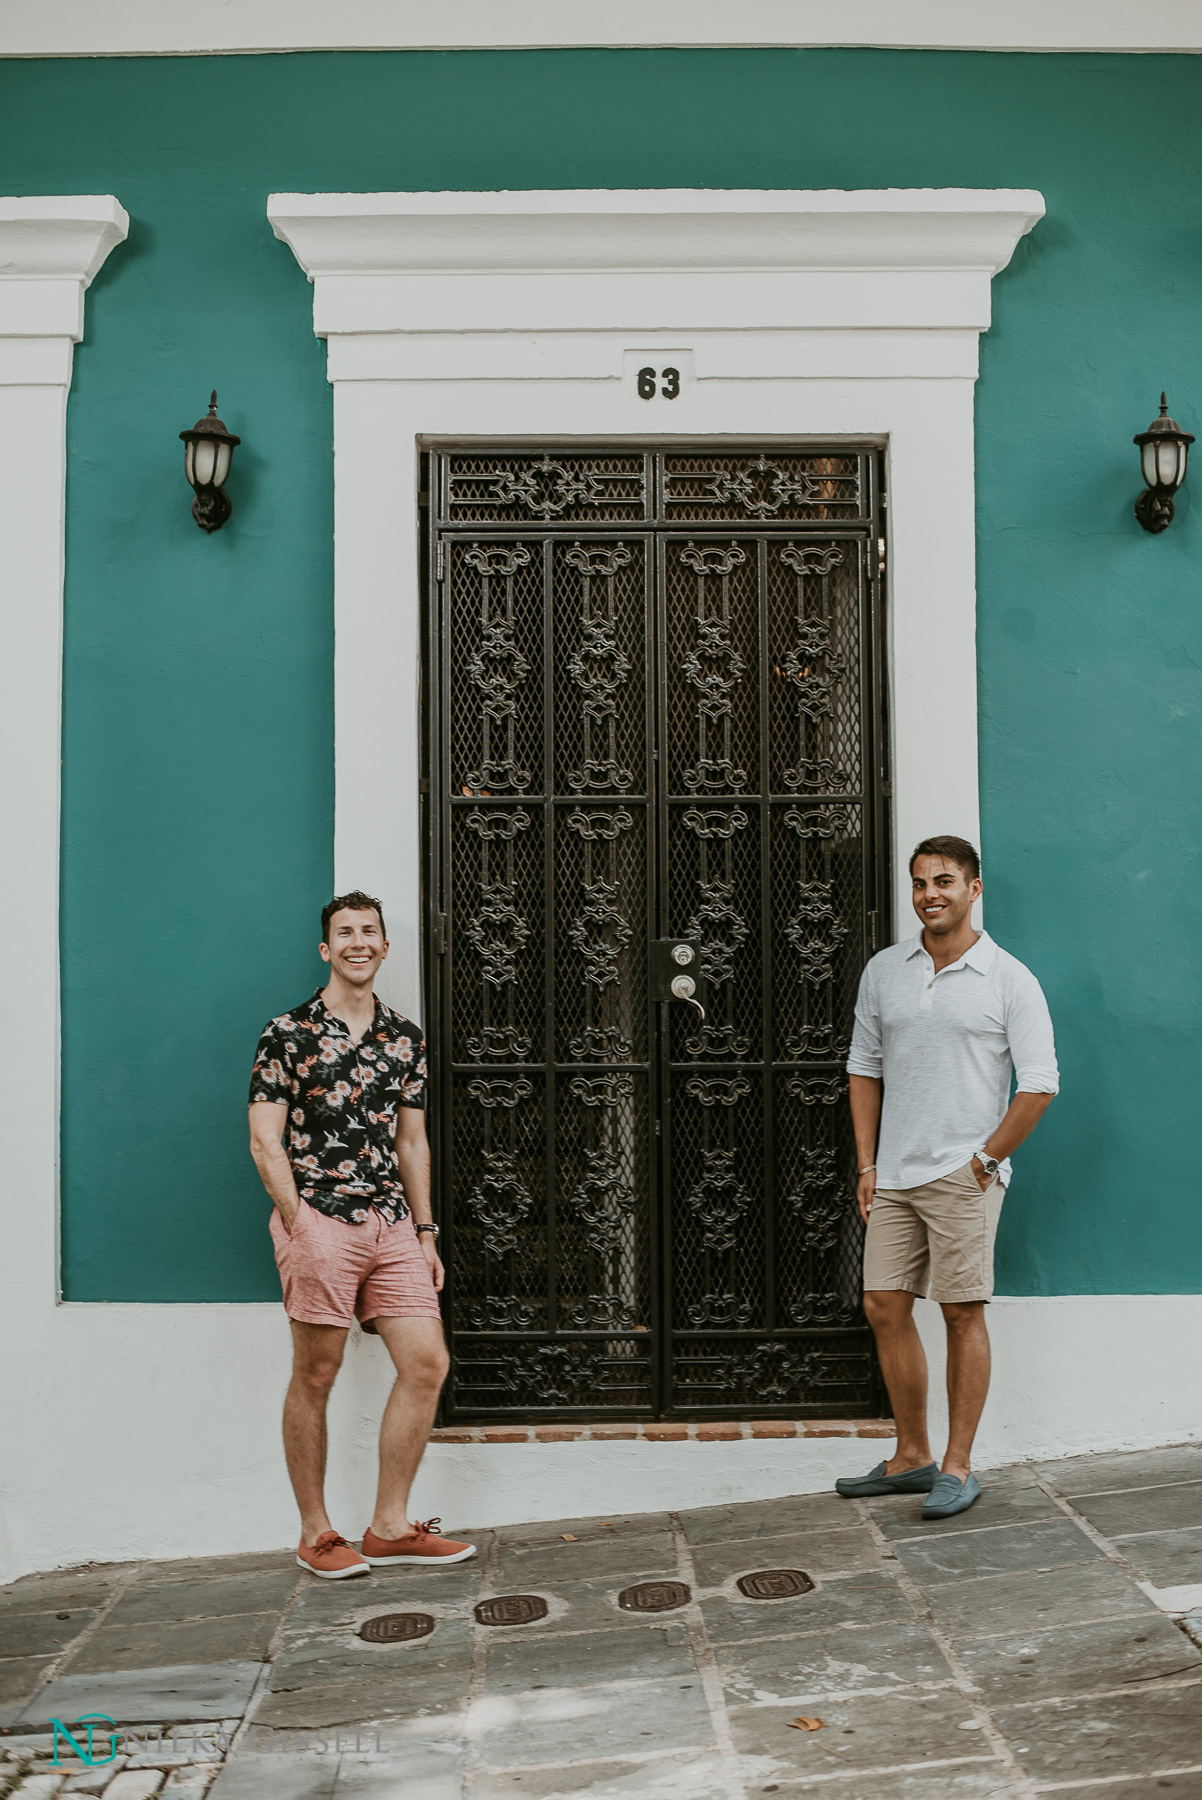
(1012, 1651)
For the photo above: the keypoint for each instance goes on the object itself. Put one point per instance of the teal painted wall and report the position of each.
(198, 726)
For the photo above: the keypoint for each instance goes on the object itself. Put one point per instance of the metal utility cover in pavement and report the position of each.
(396, 1628)
(654, 1596)
(511, 1609)
(774, 1584)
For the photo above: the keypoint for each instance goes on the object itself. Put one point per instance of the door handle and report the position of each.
(684, 988)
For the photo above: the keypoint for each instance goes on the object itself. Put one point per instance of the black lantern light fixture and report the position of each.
(208, 452)
(1163, 449)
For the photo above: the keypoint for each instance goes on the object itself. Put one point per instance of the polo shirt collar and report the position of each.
(980, 957)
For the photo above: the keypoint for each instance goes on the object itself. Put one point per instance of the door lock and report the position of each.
(684, 988)
(667, 959)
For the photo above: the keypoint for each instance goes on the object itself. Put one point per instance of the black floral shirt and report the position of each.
(342, 1100)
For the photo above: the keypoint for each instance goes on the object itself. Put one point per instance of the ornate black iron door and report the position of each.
(654, 710)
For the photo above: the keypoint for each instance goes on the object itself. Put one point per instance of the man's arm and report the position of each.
(1021, 1117)
(267, 1121)
(413, 1156)
(865, 1094)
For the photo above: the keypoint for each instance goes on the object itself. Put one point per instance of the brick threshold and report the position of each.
(666, 1431)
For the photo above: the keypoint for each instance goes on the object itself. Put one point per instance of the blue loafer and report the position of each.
(950, 1496)
(909, 1481)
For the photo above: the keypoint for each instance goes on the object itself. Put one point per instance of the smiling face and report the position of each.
(355, 945)
(943, 894)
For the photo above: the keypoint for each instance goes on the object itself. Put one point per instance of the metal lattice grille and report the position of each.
(654, 699)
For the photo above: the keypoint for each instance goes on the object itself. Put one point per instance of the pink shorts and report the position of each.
(333, 1272)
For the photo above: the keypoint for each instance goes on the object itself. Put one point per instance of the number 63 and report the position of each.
(648, 379)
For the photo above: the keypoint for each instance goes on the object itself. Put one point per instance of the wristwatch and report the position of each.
(988, 1163)
(427, 1227)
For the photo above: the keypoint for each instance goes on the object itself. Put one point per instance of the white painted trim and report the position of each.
(49, 250)
(179, 28)
(510, 314)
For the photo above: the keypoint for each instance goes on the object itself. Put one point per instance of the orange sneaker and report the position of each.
(424, 1544)
(331, 1557)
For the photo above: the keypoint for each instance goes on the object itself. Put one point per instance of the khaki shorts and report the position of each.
(939, 1234)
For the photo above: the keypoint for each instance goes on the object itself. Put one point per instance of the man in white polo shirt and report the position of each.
(942, 1022)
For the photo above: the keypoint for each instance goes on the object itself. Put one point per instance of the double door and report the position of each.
(654, 722)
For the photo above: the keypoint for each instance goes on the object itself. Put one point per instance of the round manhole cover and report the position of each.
(511, 1609)
(774, 1584)
(654, 1596)
(396, 1628)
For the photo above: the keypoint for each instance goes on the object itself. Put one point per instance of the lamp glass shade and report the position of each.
(189, 464)
(1168, 458)
(224, 453)
(204, 456)
(1147, 458)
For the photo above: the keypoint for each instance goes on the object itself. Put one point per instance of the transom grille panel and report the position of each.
(654, 709)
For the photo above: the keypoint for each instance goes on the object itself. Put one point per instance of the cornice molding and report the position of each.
(178, 28)
(51, 247)
(603, 259)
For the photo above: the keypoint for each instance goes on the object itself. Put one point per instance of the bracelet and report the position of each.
(427, 1227)
(868, 1168)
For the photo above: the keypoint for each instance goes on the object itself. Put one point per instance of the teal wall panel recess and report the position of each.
(198, 783)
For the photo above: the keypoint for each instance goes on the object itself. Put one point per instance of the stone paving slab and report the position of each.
(433, 1691)
(1165, 1558)
(983, 1781)
(1172, 1507)
(278, 1778)
(866, 1599)
(553, 1531)
(59, 1591)
(150, 1696)
(817, 1553)
(1082, 1591)
(321, 1604)
(430, 1769)
(171, 1602)
(1165, 1787)
(552, 1560)
(689, 1775)
(243, 1638)
(591, 1724)
(766, 1518)
(868, 1732)
(900, 1515)
(1009, 1550)
(320, 1661)
(580, 1606)
(1123, 1469)
(18, 1678)
(1116, 1734)
(1078, 1659)
(39, 1634)
(834, 1662)
(589, 1657)
(191, 1567)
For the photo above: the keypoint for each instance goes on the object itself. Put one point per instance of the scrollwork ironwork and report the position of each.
(775, 1374)
(602, 1201)
(719, 1309)
(495, 824)
(715, 1090)
(820, 821)
(496, 1092)
(498, 932)
(713, 668)
(718, 1200)
(555, 1374)
(497, 667)
(600, 948)
(816, 931)
(721, 929)
(499, 1040)
(601, 1090)
(762, 487)
(715, 822)
(500, 1201)
(817, 1090)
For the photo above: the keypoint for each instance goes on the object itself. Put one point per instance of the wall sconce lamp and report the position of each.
(1163, 449)
(208, 452)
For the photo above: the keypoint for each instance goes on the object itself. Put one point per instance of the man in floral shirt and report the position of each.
(337, 1132)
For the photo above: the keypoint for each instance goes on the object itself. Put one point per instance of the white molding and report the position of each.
(179, 28)
(515, 315)
(49, 251)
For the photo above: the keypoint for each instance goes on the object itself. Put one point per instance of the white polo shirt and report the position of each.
(945, 1046)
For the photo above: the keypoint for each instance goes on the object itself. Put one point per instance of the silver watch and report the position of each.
(988, 1163)
(427, 1227)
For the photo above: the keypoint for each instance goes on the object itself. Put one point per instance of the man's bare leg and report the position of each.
(968, 1365)
(419, 1353)
(316, 1358)
(904, 1366)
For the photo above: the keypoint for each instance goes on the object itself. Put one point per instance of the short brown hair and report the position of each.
(952, 849)
(355, 901)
